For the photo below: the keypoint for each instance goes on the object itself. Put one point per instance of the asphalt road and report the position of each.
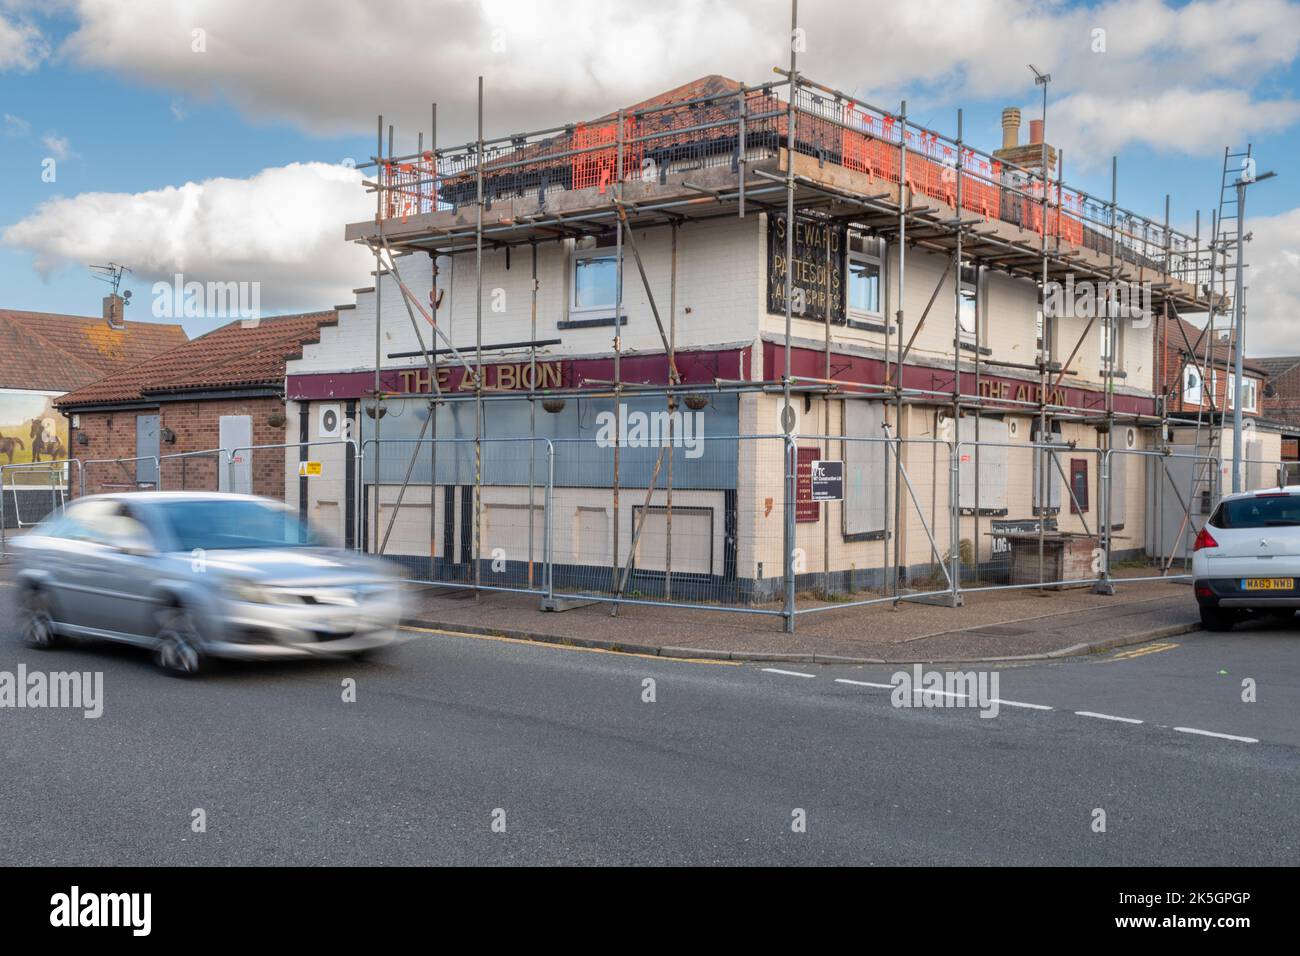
(447, 732)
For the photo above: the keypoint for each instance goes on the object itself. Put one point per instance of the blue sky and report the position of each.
(117, 94)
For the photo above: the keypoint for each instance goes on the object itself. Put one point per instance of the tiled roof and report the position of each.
(1276, 365)
(233, 356)
(42, 350)
(1220, 351)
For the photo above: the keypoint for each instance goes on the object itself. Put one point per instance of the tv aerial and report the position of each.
(112, 273)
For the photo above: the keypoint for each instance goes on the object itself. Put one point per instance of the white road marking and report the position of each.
(773, 670)
(1020, 703)
(935, 692)
(863, 683)
(1089, 713)
(1211, 733)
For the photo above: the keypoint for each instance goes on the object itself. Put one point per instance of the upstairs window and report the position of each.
(1193, 392)
(595, 277)
(865, 271)
(969, 292)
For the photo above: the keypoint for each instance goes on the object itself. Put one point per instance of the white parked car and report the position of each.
(1246, 560)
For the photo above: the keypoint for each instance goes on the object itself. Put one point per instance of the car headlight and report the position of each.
(257, 594)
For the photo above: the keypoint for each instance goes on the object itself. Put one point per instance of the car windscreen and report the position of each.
(1259, 511)
(215, 524)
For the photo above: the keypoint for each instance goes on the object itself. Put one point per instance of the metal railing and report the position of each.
(749, 124)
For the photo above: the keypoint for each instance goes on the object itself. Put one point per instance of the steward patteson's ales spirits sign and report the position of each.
(817, 286)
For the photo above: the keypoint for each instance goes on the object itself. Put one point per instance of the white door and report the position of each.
(235, 434)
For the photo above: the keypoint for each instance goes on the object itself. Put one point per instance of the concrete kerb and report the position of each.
(766, 657)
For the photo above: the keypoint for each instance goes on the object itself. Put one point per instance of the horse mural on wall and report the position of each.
(7, 446)
(45, 440)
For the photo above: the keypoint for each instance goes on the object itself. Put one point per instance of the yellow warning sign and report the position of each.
(308, 469)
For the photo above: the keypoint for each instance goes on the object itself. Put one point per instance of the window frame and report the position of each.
(603, 249)
(876, 258)
(973, 284)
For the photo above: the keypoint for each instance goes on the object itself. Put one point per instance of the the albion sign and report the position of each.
(508, 377)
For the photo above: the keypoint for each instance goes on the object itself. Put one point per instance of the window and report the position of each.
(1259, 511)
(1109, 334)
(1249, 393)
(1078, 485)
(595, 277)
(969, 292)
(1192, 390)
(864, 276)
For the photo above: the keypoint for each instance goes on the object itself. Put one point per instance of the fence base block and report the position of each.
(565, 604)
(1106, 587)
(938, 600)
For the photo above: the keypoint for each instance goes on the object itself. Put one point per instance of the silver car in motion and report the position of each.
(198, 575)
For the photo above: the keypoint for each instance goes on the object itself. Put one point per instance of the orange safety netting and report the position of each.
(595, 166)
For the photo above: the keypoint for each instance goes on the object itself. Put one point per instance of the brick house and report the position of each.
(42, 356)
(221, 390)
(1186, 393)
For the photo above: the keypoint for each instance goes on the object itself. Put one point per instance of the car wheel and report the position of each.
(1217, 619)
(178, 644)
(37, 621)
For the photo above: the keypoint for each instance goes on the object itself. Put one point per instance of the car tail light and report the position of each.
(1204, 590)
(1204, 540)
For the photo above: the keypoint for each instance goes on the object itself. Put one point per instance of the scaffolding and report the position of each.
(796, 147)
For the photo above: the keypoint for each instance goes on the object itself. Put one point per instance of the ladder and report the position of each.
(1204, 488)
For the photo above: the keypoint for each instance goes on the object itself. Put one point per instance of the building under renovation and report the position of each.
(763, 348)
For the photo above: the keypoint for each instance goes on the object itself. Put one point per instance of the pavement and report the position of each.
(467, 749)
(991, 626)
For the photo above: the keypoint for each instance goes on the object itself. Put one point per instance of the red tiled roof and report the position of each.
(43, 350)
(233, 356)
(1220, 351)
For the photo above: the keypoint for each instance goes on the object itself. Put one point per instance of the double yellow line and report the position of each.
(1143, 651)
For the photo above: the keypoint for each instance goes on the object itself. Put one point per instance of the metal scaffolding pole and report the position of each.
(476, 546)
(787, 410)
(904, 201)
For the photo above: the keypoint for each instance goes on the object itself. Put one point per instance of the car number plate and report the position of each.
(1268, 584)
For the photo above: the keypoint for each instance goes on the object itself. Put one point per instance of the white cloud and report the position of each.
(16, 125)
(546, 63)
(57, 145)
(282, 227)
(1273, 283)
(22, 46)
(1091, 127)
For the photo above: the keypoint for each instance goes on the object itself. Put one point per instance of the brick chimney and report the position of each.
(1030, 154)
(113, 311)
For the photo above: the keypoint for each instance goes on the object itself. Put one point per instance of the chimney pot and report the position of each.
(1035, 132)
(1010, 128)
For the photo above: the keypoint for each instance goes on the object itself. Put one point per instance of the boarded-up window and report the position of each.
(1119, 466)
(692, 540)
(988, 462)
(505, 532)
(1048, 460)
(866, 468)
